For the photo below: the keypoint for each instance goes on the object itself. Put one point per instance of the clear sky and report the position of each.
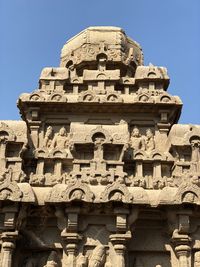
(33, 32)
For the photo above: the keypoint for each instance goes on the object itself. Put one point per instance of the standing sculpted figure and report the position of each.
(61, 139)
(136, 140)
(48, 137)
(98, 148)
(98, 257)
(149, 140)
(195, 158)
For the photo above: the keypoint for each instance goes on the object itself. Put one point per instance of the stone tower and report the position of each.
(98, 173)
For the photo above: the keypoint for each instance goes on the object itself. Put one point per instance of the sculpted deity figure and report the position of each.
(77, 195)
(61, 139)
(98, 148)
(195, 158)
(149, 140)
(48, 137)
(197, 259)
(136, 140)
(98, 256)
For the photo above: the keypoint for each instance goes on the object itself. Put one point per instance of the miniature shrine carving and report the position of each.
(98, 173)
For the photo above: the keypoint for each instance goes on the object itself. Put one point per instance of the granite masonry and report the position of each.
(98, 173)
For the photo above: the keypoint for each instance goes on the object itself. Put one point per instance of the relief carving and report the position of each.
(98, 257)
(61, 139)
(116, 192)
(136, 140)
(197, 259)
(48, 137)
(98, 163)
(195, 157)
(149, 141)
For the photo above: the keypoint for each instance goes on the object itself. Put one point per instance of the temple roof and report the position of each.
(94, 41)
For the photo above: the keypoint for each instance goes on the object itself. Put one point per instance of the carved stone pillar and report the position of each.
(119, 243)
(182, 240)
(35, 129)
(157, 169)
(40, 166)
(8, 246)
(138, 168)
(58, 167)
(3, 154)
(71, 242)
(183, 252)
(71, 238)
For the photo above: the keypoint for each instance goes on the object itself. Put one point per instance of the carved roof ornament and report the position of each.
(6, 133)
(116, 192)
(111, 41)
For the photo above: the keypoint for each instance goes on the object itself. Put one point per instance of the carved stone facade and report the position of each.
(98, 173)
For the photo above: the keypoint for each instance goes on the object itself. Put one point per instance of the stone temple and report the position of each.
(98, 173)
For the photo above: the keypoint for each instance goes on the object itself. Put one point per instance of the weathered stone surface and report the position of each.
(99, 173)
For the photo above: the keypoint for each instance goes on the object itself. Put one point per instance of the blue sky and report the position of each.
(34, 31)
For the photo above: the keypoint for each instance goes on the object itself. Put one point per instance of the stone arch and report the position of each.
(157, 156)
(36, 97)
(10, 191)
(165, 99)
(113, 97)
(139, 155)
(88, 96)
(182, 192)
(116, 192)
(99, 130)
(40, 153)
(101, 56)
(77, 191)
(57, 97)
(143, 98)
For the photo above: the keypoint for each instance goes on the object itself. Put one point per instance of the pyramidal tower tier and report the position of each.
(98, 173)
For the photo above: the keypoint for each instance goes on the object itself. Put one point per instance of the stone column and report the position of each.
(8, 246)
(181, 238)
(157, 169)
(138, 168)
(40, 166)
(71, 237)
(71, 244)
(35, 130)
(3, 154)
(119, 244)
(183, 251)
(58, 168)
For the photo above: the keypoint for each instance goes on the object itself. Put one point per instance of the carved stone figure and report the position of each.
(98, 148)
(195, 157)
(136, 141)
(98, 257)
(48, 137)
(77, 195)
(61, 139)
(149, 140)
